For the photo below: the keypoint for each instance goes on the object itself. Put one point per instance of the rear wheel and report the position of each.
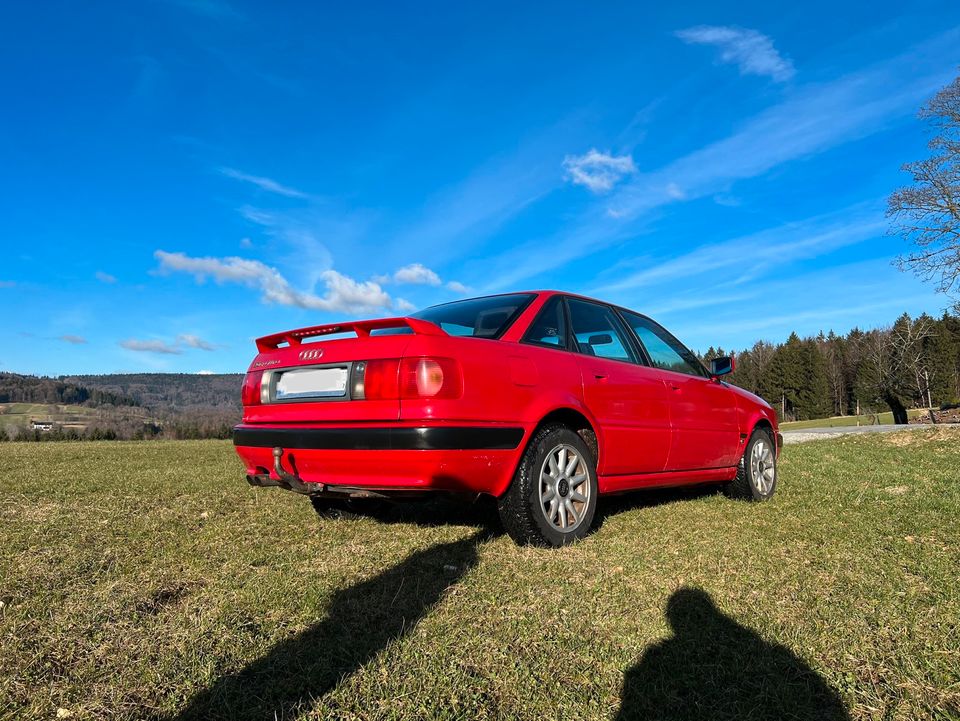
(553, 497)
(757, 475)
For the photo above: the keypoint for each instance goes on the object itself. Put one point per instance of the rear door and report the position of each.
(703, 411)
(630, 402)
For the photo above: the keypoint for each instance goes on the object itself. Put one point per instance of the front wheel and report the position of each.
(553, 497)
(757, 475)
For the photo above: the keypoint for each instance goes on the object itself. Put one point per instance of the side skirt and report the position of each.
(618, 484)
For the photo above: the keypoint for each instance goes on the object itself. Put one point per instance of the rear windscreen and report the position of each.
(478, 317)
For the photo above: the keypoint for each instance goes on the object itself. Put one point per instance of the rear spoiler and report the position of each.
(361, 327)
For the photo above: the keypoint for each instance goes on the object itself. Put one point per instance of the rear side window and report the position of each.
(665, 351)
(478, 317)
(598, 332)
(549, 328)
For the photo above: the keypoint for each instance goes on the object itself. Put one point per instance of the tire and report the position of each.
(527, 518)
(757, 473)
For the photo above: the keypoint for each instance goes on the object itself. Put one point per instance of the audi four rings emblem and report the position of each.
(311, 354)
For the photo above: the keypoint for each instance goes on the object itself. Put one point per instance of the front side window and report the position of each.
(478, 317)
(598, 332)
(549, 328)
(664, 350)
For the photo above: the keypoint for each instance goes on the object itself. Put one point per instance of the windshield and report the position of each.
(478, 317)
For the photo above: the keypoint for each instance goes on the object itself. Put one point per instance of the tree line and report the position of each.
(15, 388)
(915, 363)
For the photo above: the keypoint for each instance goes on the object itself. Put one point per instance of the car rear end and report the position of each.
(388, 407)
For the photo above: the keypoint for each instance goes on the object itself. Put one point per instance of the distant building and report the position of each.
(41, 425)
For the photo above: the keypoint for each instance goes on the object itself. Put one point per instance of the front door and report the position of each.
(703, 411)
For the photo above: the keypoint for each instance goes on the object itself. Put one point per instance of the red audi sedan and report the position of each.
(544, 400)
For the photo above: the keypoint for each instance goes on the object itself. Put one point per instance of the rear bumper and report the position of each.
(474, 459)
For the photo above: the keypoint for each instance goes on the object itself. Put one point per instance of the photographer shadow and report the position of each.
(360, 622)
(714, 668)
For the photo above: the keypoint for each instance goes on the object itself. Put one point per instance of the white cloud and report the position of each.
(194, 341)
(597, 171)
(457, 287)
(404, 305)
(104, 277)
(246, 243)
(343, 294)
(73, 339)
(150, 346)
(417, 274)
(205, 373)
(750, 50)
(268, 184)
(675, 191)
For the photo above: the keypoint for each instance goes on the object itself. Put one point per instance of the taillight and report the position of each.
(406, 378)
(430, 378)
(250, 392)
(375, 380)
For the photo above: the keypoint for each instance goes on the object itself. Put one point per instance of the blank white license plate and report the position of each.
(312, 383)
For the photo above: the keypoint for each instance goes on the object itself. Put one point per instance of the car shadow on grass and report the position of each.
(714, 668)
(609, 506)
(361, 621)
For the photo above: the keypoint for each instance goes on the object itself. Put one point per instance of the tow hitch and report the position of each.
(284, 479)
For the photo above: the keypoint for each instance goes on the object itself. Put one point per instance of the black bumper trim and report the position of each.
(433, 438)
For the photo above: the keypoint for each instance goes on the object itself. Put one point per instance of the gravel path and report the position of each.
(816, 434)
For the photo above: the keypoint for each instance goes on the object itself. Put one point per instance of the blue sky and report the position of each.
(181, 176)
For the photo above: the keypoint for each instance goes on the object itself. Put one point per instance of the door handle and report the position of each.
(673, 386)
(600, 376)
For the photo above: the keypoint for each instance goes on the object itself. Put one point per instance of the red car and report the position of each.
(543, 400)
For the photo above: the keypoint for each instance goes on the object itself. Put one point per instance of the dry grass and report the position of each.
(146, 580)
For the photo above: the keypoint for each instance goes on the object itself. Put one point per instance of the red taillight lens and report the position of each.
(250, 392)
(430, 378)
(380, 379)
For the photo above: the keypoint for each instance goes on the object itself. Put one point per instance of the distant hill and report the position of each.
(172, 393)
(16, 388)
(119, 406)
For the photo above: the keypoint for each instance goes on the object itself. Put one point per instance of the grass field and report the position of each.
(864, 420)
(147, 580)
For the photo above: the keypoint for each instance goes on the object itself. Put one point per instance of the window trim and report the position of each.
(693, 359)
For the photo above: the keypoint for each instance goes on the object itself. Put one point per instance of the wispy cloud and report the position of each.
(815, 118)
(776, 246)
(7, 283)
(104, 277)
(417, 274)
(457, 287)
(404, 305)
(194, 341)
(343, 294)
(750, 50)
(73, 339)
(597, 171)
(267, 184)
(150, 346)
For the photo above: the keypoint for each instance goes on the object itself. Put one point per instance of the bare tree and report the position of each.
(891, 363)
(927, 213)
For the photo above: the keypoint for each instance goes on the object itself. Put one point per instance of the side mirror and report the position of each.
(722, 366)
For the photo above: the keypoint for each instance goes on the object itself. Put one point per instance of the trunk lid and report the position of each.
(307, 373)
